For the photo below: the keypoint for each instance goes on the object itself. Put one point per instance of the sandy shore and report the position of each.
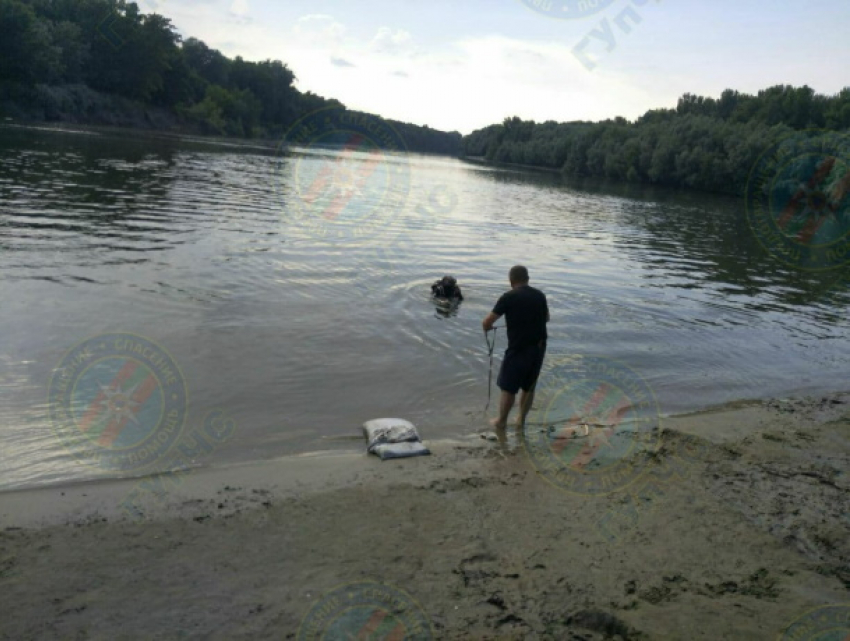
(736, 527)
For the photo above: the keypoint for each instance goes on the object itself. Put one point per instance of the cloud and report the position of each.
(393, 42)
(152, 6)
(238, 12)
(318, 30)
(227, 25)
(239, 7)
(462, 84)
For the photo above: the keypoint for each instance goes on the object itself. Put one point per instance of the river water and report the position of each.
(288, 292)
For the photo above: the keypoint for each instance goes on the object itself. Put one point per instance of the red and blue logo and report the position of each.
(343, 175)
(118, 401)
(594, 422)
(366, 610)
(798, 200)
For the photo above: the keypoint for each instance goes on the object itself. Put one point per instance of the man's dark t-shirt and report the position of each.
(525, 311)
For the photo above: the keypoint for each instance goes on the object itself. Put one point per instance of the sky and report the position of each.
(464, 64)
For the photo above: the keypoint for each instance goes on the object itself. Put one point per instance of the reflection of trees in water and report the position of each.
(707, 242)
(88, 184)
(74, 192)
(696, 240)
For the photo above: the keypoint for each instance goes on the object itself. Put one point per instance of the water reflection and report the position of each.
(446, 308)
(196, 247)
(678, 239)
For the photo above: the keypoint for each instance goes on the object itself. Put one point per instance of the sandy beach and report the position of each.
(736, 527)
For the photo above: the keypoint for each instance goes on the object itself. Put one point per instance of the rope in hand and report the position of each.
(491, 347)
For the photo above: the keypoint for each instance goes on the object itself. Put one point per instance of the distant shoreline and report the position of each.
(482, 160)
(175, 135)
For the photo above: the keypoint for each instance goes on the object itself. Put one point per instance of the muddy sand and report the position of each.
(736, 526)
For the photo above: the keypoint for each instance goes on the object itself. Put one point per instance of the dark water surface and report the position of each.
(301, 315)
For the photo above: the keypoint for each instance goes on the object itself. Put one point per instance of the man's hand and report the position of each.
(490, 321)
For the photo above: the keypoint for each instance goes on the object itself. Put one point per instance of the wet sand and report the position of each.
(737, 526)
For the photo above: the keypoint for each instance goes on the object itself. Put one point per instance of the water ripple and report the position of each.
(302, 328)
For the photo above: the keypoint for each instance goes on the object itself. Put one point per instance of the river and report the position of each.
(296, 313)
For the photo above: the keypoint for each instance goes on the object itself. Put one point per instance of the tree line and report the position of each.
(61, 56)
(704, 143)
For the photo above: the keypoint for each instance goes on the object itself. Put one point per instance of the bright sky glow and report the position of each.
(464, 65)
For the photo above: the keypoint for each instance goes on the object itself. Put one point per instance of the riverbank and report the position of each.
(739, 529)
(482, 160)
(185, 138)
(77, 106)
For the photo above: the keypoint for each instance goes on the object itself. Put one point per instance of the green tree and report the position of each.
(26, 52)
(209, 64)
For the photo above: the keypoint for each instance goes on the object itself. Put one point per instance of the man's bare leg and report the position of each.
(525, 403)
(506, 402)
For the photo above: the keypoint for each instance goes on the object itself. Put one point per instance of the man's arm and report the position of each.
(490, 321)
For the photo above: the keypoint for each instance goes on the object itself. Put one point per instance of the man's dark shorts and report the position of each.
(520, 368)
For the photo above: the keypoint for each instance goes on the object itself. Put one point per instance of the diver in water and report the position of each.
(447, 288)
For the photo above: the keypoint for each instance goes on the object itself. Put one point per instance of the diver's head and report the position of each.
(449, 280)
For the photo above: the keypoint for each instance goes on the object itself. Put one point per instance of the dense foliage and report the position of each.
(113, 48)
(704, 143)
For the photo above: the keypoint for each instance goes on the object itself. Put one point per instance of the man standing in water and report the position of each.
(526, 314)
